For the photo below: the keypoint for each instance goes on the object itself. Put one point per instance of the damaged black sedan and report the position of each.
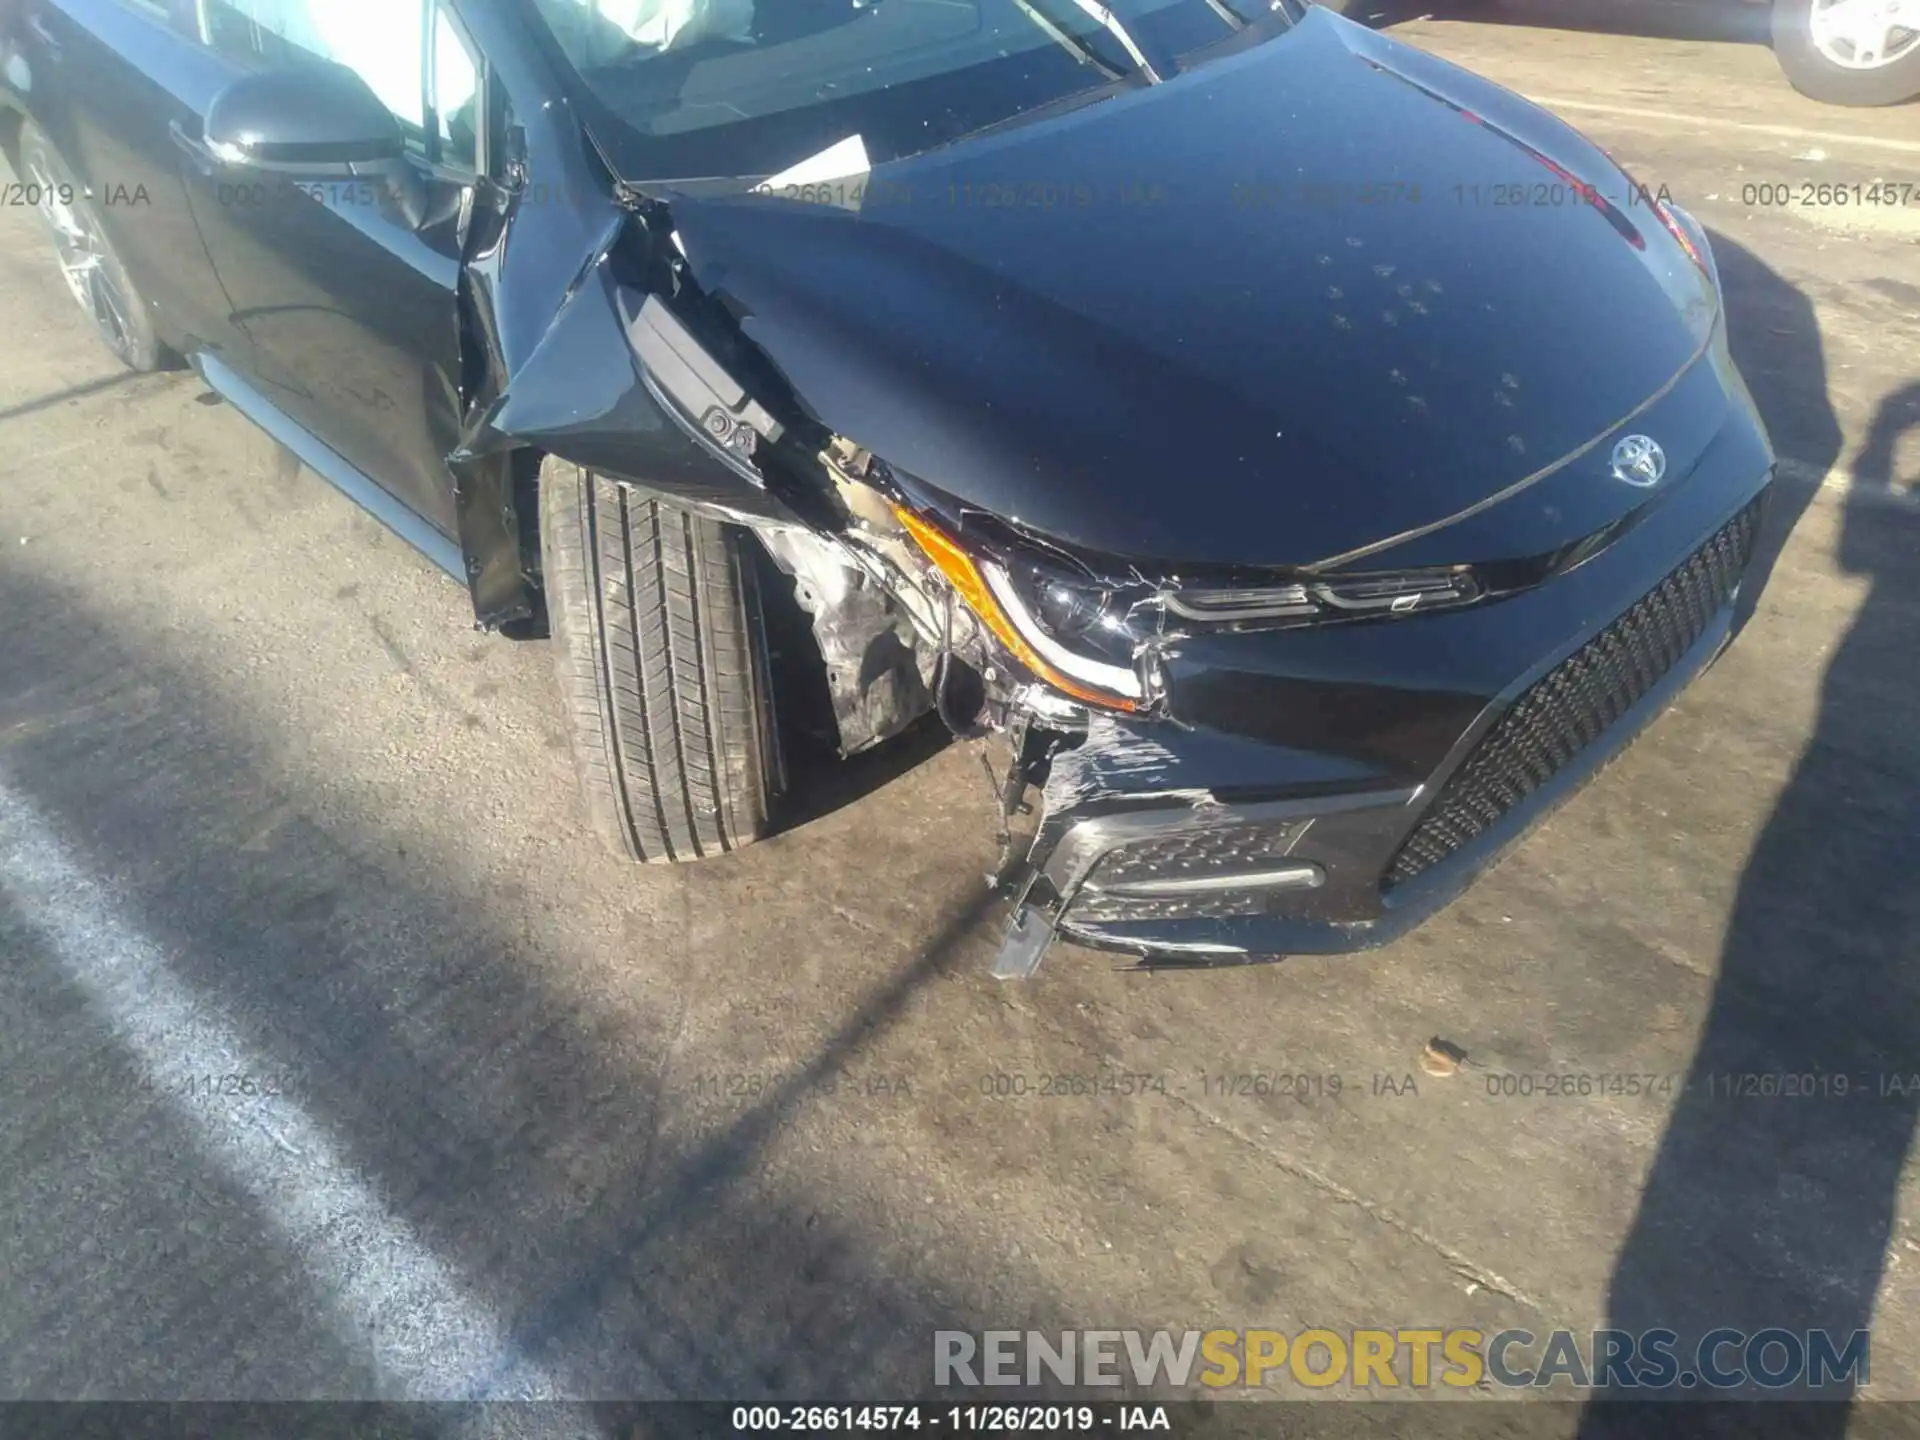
(1154, 385)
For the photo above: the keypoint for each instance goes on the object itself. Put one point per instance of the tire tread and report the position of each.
(652, 633)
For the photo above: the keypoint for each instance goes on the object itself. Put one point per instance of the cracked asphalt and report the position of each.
(530, 1122)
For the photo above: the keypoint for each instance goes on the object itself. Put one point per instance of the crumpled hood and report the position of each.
(1293, 303)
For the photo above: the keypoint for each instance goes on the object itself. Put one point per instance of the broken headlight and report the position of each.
(1080, 626)
(1084, 635)
(1068, 628)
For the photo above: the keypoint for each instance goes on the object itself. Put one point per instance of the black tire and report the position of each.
(1818, 75)
(1374, 12)
(659, 644)
(89, 264)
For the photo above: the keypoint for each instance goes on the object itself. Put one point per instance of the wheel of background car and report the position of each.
(93, 272)
(1372, 12)
(659, 643)
(1850, 52)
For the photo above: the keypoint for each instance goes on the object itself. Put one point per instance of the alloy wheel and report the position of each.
(82, 252)
(1865, 34)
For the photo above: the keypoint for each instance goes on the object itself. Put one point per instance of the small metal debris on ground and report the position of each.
(1442, 1057)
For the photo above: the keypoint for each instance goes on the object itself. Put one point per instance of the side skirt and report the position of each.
(355, 484)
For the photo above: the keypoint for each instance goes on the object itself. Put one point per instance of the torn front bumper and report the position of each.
(1334, 789)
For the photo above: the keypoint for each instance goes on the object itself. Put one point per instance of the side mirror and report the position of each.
(316, 119)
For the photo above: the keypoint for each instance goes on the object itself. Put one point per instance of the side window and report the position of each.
(411, 53)
(384, 41)
(453, 94)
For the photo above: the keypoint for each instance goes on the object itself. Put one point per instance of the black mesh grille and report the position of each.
(1098, 907)
(1189, 854)
(1192, 853)
(1579, 699)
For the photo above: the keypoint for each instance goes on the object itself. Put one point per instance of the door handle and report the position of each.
(204, 160)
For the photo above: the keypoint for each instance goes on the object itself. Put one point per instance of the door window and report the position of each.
(453, 95)
(411, 54)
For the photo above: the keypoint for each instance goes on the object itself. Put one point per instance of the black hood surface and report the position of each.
(1289, 304)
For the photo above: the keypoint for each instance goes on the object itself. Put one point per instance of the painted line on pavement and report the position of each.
(386, 1293)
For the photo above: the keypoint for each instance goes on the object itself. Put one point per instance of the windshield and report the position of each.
(746, 88)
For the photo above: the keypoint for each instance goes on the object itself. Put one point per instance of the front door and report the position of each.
(348, 299)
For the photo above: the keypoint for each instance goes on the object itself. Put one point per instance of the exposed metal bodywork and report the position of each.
(880, 666)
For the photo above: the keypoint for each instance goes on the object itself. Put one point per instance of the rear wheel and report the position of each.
(659, 643)
(1850, 52)
(93, 272)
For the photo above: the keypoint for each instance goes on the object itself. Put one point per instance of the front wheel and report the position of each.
(660, 648)
(1850, 52)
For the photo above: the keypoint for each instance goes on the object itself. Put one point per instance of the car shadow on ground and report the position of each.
(74, 394)
(630, 1233)
(1717, 20)
(1772, 1201)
